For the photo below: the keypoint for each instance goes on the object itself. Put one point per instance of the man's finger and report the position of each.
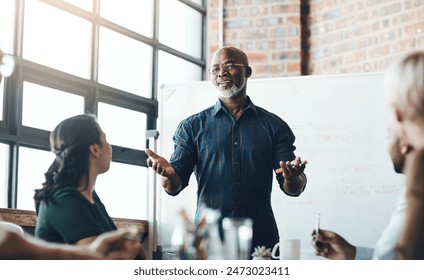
(279, 170)
(151, 154)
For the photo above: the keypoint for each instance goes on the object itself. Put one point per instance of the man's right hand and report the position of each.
(171, 181)
(160, 165)
(332, 246)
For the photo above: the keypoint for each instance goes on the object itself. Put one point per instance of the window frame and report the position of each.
(14, 134)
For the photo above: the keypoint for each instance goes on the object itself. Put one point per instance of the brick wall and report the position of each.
(268, 31)
(347, 36)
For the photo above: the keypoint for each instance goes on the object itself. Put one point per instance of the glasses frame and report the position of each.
(7, 64)
(225, 67)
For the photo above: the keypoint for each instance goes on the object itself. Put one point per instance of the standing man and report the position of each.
(234, 149)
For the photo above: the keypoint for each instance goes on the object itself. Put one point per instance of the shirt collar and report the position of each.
(250, 106)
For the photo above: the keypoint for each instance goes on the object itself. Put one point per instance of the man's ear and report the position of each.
(248, 72)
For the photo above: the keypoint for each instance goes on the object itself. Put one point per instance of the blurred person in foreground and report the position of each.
(109, 245)
(331, 245)
(406, 97)
(405, 92)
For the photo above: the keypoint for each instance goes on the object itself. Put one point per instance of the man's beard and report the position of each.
(231, 92)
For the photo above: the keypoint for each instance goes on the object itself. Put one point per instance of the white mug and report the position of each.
(289, 249)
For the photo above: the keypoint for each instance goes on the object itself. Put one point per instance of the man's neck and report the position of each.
(235, 105)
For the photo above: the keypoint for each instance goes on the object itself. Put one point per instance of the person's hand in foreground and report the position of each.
(332, 246)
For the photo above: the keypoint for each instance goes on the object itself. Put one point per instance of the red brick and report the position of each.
(363, 35)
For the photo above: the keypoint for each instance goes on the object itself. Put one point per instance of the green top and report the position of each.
(70, 217)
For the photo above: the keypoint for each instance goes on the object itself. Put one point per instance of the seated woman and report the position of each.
(68, 208)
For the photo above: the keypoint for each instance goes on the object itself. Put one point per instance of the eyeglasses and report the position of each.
(7, 65)
(226, 67)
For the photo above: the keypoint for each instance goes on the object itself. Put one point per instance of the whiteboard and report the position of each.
(341, 127)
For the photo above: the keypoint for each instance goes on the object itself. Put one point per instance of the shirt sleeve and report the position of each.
(385, 247)
(183, 158)
(284, 143)
(363, 253)
(284, 148)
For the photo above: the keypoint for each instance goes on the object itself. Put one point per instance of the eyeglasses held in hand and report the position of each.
(226, 67)
(7, 65)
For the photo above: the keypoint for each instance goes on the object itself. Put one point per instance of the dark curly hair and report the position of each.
(70, 141)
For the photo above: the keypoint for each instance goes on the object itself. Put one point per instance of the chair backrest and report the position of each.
(11, 227)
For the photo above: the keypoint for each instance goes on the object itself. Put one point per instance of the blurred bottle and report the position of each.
(183, 239)
(211, 239)
(237, 238)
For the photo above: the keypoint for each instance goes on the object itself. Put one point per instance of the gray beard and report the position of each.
(228, 93)
(231, 92)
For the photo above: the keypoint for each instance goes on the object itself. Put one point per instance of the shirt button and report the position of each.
(235, 143)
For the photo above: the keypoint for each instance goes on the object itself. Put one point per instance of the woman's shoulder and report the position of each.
(67, 192)
(62, 198)
(65, 200)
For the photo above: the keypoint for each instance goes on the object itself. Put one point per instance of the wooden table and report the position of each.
(28, 220)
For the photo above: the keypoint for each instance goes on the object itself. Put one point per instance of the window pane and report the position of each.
(132, 14)
(45, 107)
(123, 191)
(173, 69)
(1, 98)
(33, 164)
(183, 34)
(57, 39)
(4, 151)
(7, 11)
(6, 41)
(123, 127)
(83, 4)
(125, 63)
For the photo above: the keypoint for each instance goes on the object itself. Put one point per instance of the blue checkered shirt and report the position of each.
(233, 162)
